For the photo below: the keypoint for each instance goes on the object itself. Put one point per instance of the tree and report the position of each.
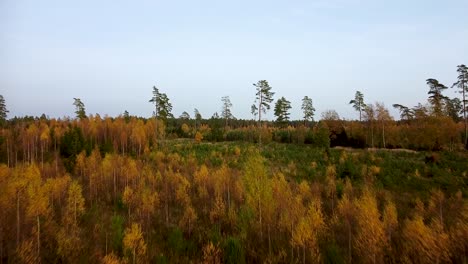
(436, 99)
(453, 108)
(282, 107)
(162, 105)
(383, 116)
(308, 230)
(258, 191)
(371, 239)
(69, 235)
(330, 115)
(226, 109)
(75, 204)
(369, 112)
(308, 109)
(3, 110)
(198, 118)
(390, 219)
(422, 243)
(126, 116)
(405, 112)
(133, 241)
(346, 215)
(462, 84)
(420, 111)
(184, 116)
(358, 103)
(79, 108)
(264, 97)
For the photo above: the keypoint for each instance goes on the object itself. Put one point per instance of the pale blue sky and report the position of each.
(111, 53)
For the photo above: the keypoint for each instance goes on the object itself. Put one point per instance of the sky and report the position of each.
(110, 53)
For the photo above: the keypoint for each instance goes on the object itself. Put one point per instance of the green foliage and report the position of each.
(233, 251)
(117, 233)
(80, 108)
(308, 108)
(71, 144)
(176, 241)
(358, 103)
(162, 105)
(332, 254)
(264, 97)
(282, 108)
(3, 110)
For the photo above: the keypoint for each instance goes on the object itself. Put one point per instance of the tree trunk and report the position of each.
(115, 183)
(42, 156)
(303, 254)
(74, 202)
(269, 239)
(260, 119)
(349, 242)
(229, 197)
(464, 118)
(8, 153)
(383, 134)
(260, 220)
(38, 238)
(17, 219)
(106, 243)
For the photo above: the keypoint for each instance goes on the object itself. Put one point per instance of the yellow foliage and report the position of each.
(198, 137)
(374, 170)
(343, 157)
(390, 218)
(75, 203)
(420, 245)
(27, 252)
(211, 254)
(371, 239)
(218, 210)
(185, 128)
(237, 151)
(313, 165)
(111, 259)
(134, 242)
(188, 219)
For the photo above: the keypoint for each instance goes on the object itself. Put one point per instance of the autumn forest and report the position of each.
(189, 189)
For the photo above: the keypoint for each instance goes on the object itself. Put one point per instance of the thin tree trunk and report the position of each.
(106, 243)
(229, 197)
(42, 156)
(464, 117)
(269, 239)
(17, 219)
(75, 209)
(8, 152)
(260, 119)
(349, 242)
(115, 184)
(167, 203)
(303, 254)
(260, 220)
(38, 237)
(383, 133)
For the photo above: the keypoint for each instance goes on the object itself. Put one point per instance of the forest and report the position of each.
(128, 189)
